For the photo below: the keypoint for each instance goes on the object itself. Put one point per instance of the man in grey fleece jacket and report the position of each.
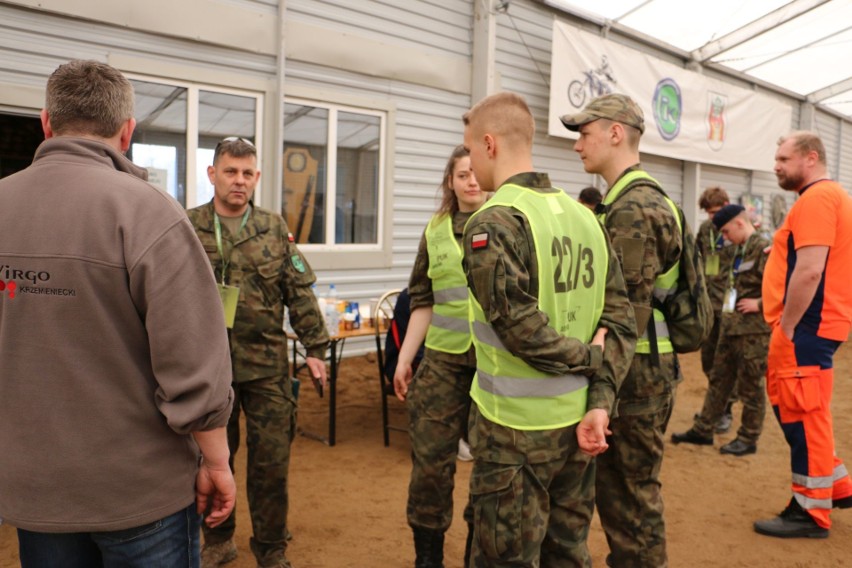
(115, 381)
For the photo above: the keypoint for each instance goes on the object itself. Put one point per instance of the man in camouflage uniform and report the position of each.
(743, 340)
(647, 239)
(253, 256)
(532, 485)
(718, 254)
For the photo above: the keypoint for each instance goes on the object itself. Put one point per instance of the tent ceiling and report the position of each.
(803, 46)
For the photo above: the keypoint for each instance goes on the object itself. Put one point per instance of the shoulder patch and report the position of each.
(297, 263)
(291, 238)
(479, 241)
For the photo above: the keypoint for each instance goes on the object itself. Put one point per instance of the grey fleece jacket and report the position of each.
(112, 344)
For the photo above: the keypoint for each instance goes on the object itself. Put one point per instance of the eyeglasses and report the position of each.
(235, 139)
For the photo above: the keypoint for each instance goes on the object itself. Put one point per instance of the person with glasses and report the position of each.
(116, 382)
(260, 271)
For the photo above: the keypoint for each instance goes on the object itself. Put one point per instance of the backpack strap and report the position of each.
(605, 209)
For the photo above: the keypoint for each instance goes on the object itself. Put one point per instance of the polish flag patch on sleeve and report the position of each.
(291, 238)
(479, 241)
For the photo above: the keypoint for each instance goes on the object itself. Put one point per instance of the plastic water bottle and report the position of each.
(332, 319)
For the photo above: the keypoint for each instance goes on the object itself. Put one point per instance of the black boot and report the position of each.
(468, 545)
(793, 522)
(429, 548)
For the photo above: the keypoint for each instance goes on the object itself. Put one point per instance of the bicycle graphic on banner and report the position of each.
(597, 81)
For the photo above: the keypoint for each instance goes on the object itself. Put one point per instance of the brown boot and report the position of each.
(215, 555)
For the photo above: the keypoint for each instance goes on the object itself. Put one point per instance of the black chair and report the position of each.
(383, 319)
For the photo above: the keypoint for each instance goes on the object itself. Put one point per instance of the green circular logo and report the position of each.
(668, 107)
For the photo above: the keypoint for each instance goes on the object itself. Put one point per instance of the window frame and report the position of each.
(192, 113)
(332, 255)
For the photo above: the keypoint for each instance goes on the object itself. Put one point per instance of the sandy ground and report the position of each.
(347, 504)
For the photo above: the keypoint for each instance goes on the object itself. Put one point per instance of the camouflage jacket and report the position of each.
(271, 273)
(503, 278)
(641, 220)
(710, 241)
(747, 275)
(420, 285)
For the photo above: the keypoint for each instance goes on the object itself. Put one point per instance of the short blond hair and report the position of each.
(505, 115)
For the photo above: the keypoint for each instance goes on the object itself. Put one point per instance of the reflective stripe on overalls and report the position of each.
(449, 330)
(665, 284)
(572, 259)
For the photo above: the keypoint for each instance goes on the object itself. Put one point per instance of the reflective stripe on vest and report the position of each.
(449, 330)
(572, 259)
(665, 283)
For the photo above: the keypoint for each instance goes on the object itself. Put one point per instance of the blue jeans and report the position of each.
(171, 542)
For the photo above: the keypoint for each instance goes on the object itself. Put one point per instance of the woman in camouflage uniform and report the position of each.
(439, 394)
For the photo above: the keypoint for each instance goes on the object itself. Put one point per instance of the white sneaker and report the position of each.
(464, 451)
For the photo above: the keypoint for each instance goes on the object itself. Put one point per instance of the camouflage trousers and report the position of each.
(708, 348)
(627, 485)
(270, 417)
(533, 496)
(740, 363)
(438, 406)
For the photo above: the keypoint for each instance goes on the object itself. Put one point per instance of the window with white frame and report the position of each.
(178, 126)
(333, 181)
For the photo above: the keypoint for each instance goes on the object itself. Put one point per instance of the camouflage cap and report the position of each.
(617, 107)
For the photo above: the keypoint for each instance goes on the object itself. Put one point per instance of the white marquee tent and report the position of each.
(801, 46)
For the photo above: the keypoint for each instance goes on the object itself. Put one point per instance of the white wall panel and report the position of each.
(828, 128)
(845, 157)
(433, 26)
(523, 64)
(34, 43)
(667, 171)
(734, 181)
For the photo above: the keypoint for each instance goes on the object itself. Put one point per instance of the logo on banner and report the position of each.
(668, 108)
(716, 105)
(597, 81)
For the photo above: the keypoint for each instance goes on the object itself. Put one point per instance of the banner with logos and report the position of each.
(687, 116)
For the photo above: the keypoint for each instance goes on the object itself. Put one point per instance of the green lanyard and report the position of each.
(734, 264)
(218, 227)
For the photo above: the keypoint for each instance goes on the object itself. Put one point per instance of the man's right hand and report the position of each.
(215, 492)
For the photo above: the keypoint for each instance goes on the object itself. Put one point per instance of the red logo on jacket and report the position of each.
(9, 286)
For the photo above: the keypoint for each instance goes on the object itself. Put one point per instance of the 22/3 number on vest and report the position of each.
(573, 264)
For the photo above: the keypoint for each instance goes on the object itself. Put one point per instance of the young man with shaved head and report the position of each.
(552, 329)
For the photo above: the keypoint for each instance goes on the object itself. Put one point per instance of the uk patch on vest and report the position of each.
(297, 263)
(479, 241)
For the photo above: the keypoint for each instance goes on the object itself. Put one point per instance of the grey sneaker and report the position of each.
(724, 423)
(215, 555)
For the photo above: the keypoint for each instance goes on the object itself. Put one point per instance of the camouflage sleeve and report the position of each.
(716, 284)
(617, 317)
(503, 278)
(419, 285)
(647, 239)
(702, 239)
(305, 316)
